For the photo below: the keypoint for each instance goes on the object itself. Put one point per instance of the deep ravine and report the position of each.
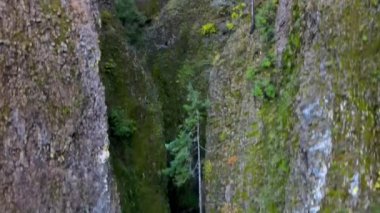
(277, 100)
(93, 91)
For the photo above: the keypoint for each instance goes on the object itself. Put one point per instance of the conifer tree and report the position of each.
(181, 148)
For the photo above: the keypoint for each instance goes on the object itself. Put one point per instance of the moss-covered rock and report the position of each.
(139, 156)
(312, 146)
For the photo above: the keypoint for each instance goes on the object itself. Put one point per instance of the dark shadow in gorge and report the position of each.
(138, 125)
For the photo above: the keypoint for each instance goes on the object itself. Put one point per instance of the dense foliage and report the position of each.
(120, 128)
(131, 19)
(181, 148)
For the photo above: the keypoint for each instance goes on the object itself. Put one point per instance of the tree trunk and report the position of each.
(253, 17)
(199, 167)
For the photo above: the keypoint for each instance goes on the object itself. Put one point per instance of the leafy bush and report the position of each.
(250, 73)
(131, 18)
(258, 91)
(209, 29)
(120, 127)
(264, 89)
(265, 20)
(270, 91)
(262, 86)
(267, 63)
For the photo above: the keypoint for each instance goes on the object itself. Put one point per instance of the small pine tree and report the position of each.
(180, 166)
(181, 147)
(189, 137)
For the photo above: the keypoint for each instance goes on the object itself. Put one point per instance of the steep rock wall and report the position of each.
(53, 130)
(314, 147)
(342, 140)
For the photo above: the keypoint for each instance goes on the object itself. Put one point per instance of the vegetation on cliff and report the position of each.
(265, 132)
(135, 119)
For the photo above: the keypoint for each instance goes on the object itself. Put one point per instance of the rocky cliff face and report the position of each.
(314, 146)
(53, 130)
(339, 107)
(293, 124)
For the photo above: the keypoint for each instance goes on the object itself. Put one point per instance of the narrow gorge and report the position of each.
(179, 106)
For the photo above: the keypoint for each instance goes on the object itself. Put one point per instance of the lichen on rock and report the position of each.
(53, 123)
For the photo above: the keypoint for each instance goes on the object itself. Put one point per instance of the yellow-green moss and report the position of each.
(207, 170)
(208, 29)
(230, 26)
(223, 136)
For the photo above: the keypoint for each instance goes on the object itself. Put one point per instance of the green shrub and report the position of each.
(265, 20)
(270, 91)
(250, 73)
(209, 29)
(120, 127)
(131, 18)
(263, 88)
(267, 63)
(257, 91)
